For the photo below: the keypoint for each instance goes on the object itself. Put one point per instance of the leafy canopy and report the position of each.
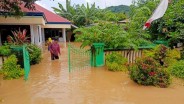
(169, 27)
(12, 7)
(113, 35)
(82, 15)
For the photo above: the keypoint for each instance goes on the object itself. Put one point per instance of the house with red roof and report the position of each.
(39, 23)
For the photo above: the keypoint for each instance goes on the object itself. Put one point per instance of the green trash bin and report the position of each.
(97, 54)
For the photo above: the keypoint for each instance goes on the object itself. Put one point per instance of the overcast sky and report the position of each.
(101, 3)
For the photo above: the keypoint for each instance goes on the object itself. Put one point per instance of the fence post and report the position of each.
(69, 64)
(26, 62)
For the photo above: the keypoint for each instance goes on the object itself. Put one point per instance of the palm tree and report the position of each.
(68, 13)
(79, 15)
(86, 13)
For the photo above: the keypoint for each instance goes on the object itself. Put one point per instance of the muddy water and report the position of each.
(51, 83)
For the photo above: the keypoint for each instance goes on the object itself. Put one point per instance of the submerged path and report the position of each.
(51, 83)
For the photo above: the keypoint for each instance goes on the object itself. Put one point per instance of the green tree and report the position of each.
(80, 15)
(110, 16)
(100, 15)
(138, 16)
(12, 7)
(121, 16)
(113, 35)
(86, 13)
(173, 22)
(68, 13)
(169, 27)
(106, 15)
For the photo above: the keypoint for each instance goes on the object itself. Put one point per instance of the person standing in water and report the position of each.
(49, 42)
(55, 50)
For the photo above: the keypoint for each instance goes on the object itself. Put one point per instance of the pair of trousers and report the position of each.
(53, 56)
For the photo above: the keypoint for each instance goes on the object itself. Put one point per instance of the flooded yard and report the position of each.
(51, 83)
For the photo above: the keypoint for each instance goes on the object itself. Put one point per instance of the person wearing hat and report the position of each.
(49, 42)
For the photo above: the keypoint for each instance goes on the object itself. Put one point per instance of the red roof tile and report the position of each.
(27, 10)
(50, 16)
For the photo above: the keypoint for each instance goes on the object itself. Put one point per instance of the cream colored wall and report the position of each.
(34, 22)
(26, 20)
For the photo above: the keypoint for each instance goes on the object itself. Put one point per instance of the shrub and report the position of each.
(172, 56)
(182, 54)
(112, 35)
(146, 71)
(115, 62)
(5, 50)
(34, 53)
(163, 55)
(163, 78)
(10, 69)
(160, 54)
(177, 69)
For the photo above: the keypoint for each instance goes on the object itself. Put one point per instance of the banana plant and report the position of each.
(68, 13)
(80, 15)
(87, 13)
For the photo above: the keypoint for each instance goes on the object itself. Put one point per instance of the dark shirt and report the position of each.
(55, 48)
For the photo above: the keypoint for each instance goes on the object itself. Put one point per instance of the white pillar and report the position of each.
(36, 37)
(64, 36)
(40, 34)
(43, 35)
(32, 34)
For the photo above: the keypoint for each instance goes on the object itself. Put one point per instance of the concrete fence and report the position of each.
(2, 59)
(131, 55)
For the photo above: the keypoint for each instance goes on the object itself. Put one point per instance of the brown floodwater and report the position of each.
(51, 83)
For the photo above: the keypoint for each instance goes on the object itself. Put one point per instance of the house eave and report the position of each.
(56, 25)
(25, 20)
